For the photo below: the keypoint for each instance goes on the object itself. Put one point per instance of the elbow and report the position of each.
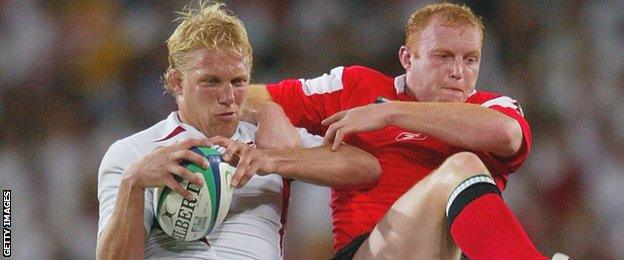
(374, 174)
(511, 138)
(368, 172)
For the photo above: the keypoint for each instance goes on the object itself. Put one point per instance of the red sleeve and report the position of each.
(516, 161)
(308, 101)
(511, 108)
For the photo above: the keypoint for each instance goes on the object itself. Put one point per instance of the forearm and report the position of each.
(124, 235)
(465, 125)
(348, 167)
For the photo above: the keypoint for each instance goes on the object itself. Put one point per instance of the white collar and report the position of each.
(399, 83)
(174, 126)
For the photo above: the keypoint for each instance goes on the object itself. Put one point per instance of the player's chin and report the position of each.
(451, 99)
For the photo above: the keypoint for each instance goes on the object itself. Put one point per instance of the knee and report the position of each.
(458, 168)
(465, 163)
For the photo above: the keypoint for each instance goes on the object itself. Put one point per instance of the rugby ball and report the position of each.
(193, 220)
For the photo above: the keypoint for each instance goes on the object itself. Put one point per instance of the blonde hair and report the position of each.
(448, 14)
(208, 26)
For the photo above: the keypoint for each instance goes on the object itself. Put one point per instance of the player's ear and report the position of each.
(404, 57)
(174, 81)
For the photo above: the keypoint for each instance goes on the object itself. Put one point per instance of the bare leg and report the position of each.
(415, 227)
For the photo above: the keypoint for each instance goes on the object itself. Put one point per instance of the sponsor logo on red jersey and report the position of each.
(405, 136)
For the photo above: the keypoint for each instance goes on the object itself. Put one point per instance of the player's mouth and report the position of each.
(452, 94)
(453, 89)
(227, 116)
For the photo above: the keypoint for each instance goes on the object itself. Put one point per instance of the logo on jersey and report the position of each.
(406, 136)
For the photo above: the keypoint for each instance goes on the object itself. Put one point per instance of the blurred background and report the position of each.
(77, 75)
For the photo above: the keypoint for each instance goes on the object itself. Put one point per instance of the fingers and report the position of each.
(188, 143)
(220, 140)
(334, 118)
(335, 134)
(230, 147)
(253, 169)
(186, 174)
(237, 177)
(238, 180)
(340, 134)
(232, 152)
(190, 156)
(245, 178)
(175, 186)
(330, 133)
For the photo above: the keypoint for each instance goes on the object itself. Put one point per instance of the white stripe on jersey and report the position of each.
(503, 101)
(324, 84)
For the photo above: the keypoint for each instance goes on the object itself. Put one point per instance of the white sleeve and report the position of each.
(116, 159)
(309, 140)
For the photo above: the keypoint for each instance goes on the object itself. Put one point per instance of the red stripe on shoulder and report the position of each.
(173, 133)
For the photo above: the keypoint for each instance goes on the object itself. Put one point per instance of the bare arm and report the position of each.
(459, 124)
(348, 167)
(124, 236)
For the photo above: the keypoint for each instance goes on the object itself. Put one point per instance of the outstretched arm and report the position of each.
(459, 124)
(348, 167)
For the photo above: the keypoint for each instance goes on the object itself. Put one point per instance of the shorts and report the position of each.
(347, 252)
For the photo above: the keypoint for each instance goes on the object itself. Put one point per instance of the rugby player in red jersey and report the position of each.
(445, 148)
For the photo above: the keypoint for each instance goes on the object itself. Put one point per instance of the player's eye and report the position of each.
(239, 82)
(211, 82)
(472, 59)
(442, 55)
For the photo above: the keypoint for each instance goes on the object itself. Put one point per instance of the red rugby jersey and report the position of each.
(405, 157)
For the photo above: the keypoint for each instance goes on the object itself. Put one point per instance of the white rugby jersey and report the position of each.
(252, 228)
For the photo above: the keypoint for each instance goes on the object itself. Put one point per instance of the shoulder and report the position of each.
(362, 72)
(126, 150)
(487, 99)
(495, 100)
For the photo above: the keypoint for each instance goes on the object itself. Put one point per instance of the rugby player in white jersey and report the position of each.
(210, 61)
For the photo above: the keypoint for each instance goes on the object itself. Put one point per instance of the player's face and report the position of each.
(212, 90)
(444, 65)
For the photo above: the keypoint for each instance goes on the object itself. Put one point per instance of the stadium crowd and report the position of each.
(77, 75)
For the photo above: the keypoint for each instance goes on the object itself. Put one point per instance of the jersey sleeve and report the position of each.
(307, 102)
(511, 108)
(111, 169)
